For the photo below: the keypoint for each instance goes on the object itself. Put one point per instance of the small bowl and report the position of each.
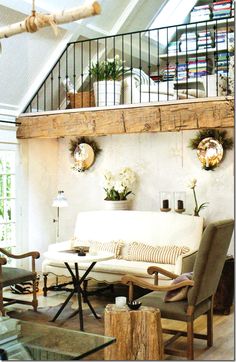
(81, 253)
(134, 305)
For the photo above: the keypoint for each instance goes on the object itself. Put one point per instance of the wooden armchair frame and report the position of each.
(132, 280)
(28, 275)
(207, 270)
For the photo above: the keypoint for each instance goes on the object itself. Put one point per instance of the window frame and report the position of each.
(10, 244)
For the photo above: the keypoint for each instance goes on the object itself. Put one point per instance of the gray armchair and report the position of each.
(206, 274)
(10, 276)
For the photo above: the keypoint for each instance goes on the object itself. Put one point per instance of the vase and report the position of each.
(118, 205)
(107, 93)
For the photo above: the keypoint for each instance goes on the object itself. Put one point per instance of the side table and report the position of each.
(223, 299)
(138, 333)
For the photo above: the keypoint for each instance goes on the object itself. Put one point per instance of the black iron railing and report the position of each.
(193, 60)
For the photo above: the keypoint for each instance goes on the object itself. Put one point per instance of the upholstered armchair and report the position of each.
(138, 87)
(201, 288)
(11, 275)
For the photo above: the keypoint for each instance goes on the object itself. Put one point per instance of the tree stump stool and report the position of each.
(138, 333)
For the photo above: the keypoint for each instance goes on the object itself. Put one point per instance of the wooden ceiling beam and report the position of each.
(160, 117)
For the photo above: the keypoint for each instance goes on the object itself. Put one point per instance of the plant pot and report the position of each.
(107, 93)
(118, 205)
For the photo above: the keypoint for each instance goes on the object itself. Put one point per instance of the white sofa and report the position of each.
(153, 228)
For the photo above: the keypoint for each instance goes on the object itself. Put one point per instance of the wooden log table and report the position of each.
(138, 333)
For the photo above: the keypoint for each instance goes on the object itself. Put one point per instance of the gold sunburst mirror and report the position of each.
(210, 153)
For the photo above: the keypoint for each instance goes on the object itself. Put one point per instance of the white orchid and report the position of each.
(192, 184)
(118, 186)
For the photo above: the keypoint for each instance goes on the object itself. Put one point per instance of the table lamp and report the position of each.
(58, 202)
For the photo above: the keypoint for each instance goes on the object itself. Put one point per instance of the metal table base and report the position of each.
(77, 282)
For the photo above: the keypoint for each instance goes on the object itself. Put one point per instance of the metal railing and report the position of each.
(183, 61)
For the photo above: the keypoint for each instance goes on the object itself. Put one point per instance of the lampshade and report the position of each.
(60, 200)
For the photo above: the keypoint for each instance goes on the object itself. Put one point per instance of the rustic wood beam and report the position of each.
(160, 117)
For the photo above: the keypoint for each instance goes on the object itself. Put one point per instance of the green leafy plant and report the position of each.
(110, 69)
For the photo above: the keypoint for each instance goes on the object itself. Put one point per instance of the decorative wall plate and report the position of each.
(210, 153)
(211, 145)
(83, 151)
(84, 156)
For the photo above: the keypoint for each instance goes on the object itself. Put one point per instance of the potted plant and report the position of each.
(106, 76)
(118, 187)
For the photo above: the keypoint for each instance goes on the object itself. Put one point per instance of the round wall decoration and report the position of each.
(210, 152)
(211, 145)
(84, 152)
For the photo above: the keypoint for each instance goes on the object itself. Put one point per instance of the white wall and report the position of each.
(36, 188)
(162, 161)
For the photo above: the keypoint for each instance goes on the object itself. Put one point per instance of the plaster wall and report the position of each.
(162, 161)
(37, 180)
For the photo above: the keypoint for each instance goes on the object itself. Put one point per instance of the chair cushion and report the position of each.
(175, 310)
(15, 275)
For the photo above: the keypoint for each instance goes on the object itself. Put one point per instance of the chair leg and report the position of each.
(210, 326)
(190, 353)
(2, 309)
(35, 301)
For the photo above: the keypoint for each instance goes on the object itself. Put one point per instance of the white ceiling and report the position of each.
(27, 58)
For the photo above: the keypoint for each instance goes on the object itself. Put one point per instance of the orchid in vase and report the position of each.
(192, 184)
(119, 186)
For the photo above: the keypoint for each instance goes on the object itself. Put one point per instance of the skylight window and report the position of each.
(173, 12)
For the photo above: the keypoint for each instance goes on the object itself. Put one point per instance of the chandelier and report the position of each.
(35, 21)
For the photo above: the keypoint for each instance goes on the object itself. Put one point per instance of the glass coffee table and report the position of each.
(21, 340)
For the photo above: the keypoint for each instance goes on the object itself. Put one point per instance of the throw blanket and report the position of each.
(181, 293)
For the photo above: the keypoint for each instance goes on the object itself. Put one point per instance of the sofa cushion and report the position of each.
(159, 254)
(110, 246)
(119, 267)
(149, 227)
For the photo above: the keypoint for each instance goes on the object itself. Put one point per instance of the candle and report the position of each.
(180, 204)
(120, 302)
(165, 204)
(207, 161)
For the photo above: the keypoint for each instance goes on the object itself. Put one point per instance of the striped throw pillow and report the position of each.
(109, 246)
(157, 254)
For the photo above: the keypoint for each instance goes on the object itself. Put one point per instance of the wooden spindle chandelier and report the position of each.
(35, 21)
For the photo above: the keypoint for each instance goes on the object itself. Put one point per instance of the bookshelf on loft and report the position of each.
(199, 54)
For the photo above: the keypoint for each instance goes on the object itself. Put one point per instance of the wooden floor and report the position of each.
(222, 350)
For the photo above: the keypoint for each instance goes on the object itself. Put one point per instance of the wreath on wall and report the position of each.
(84, 151)
(211, 145)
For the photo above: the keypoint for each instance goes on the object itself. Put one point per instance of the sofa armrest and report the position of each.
(63, 245)
(185, 262)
